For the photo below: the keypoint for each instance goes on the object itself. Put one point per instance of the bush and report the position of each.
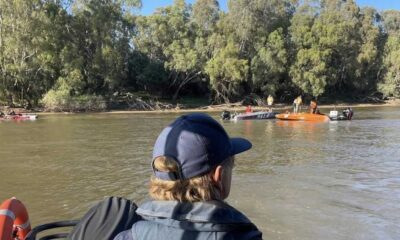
(60, 101)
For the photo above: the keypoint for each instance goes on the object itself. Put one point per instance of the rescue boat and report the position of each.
(346, 114)
(303, 117)
(226, 115)
(19, 117)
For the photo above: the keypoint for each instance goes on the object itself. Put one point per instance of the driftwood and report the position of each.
(148, 105)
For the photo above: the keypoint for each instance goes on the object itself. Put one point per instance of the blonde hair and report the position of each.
(196, 189)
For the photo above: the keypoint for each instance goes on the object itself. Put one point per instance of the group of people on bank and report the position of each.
(297, 102)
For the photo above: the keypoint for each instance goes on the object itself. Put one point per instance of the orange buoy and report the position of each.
(14, 220)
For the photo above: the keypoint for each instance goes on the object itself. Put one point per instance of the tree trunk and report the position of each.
(182, 84)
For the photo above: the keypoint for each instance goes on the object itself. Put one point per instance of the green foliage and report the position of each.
(68, 95)
(390, 86)
(205, 15)
(227, 71)
(102, 35)
(263, 43)
(270, 63)
(309, 71)
(147, 74)
(169, 36)
(26, 56)
(369, 59)
(390, 82)
(337, 48)
(391, 21)
(59, 101)
(253, 20)
(75, 54)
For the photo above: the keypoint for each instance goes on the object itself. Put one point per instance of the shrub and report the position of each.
(61, 100)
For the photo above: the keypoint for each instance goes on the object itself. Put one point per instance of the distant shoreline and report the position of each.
(240, 108)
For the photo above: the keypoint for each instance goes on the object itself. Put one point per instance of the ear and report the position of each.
(217, 174)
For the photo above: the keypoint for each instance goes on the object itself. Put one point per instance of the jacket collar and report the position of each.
(198, 212)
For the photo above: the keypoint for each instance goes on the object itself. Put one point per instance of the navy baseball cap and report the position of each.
(198, 143)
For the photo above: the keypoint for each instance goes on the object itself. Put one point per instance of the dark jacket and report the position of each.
(190, 221)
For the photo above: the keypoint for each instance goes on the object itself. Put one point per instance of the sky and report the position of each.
(150, 5)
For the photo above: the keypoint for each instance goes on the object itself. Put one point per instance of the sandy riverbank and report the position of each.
(238, 107)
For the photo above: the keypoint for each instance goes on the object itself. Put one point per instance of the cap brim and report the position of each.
(240, 145)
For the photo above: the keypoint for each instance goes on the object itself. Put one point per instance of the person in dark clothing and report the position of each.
(192, 164)
(314, 107)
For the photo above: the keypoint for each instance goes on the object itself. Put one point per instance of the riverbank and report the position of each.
(182, 108)
(240, 108)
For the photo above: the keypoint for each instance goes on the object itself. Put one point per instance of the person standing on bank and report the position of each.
(297, 103)
(270, 102)
(192, 163)
(248, 109)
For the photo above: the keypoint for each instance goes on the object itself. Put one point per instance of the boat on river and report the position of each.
(346, 114)
(303, 117)
(19, 117)
(262, 115)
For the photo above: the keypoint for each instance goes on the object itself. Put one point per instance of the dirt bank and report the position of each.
(277, 107)
(179, 108)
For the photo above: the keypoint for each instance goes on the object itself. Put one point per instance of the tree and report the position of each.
(253, 20)
(169, 36)
(327, 39)
(390, 83)
(370, 51)
(390, 86)
(205, 15)
(260, 29)
(391, 21)
(269, 65)
(227, 71)
(97, 49)
(27, 58)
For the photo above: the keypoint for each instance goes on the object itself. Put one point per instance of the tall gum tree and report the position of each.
(23, 61)
(260, 28)
(168, 36)
(390, 82)
(227, 72)
(328, 43)
(369, 58)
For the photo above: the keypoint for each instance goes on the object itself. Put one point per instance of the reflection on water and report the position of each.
(337, 180)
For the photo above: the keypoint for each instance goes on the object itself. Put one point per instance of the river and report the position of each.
(337, 180)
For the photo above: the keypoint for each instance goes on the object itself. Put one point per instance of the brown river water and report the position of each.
(337, 180)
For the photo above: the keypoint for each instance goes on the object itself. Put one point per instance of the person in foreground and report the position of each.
(192, 163)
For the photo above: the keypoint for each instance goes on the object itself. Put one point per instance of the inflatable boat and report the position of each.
(303, 117)
(19, 117)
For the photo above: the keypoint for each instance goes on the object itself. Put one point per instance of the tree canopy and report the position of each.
(58, 53)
